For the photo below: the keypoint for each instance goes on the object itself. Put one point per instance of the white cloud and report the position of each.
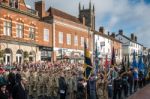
(134, 17)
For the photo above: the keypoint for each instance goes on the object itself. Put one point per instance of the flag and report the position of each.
(134, 63)
(113, 59)
(96, 60)
(106, 62)
(87, 63)
(140, 63)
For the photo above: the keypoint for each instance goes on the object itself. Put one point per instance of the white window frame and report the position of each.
(60, 37)
(32, 33)
(19, 30)
(82, 41)
(7, 28)
(46, 35)
(87, 42)
(68, 39)
(76, 40)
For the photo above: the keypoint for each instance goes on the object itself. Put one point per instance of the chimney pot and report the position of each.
(121, 32)
(101, 29)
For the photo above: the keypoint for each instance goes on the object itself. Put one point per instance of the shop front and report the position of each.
(46, 53)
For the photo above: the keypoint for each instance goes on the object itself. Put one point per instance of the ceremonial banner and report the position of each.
(87, 63)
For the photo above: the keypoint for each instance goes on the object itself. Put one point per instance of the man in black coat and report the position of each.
(19, 91)
(80, 89)
(62, 86)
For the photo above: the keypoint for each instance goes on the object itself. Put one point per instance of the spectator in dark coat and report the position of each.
(92, 86)
(62, 86)
(80, 89)
(18, 76)
(19, 91)
(11, 81)
(3, 92)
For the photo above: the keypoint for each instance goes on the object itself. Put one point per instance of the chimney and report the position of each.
(121, 32)
(113, 34)
(40, 7)
(108, 33)
(101, 29)
(135, 38)
(132, 36)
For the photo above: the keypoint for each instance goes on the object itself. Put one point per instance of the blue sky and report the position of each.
(133, 16)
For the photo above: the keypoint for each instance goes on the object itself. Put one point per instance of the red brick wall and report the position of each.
(73, 32)
(27, 21)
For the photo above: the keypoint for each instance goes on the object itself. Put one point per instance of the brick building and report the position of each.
(43, 35)
(69, 33)
(22, 34)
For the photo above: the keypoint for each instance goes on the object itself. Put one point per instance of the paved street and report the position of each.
(143, 93)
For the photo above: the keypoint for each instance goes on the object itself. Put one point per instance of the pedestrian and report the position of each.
(80, 89)
(62, 86)
(19, 90)
(92, 86)
(117, 88)
(130, 80)
(3, 91)
(136, 77)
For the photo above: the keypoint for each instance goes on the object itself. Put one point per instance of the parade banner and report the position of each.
(87, 63)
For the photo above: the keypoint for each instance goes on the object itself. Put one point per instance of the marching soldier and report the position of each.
(45, 81)
(49, 86)
(39, 84)
(32, 85)
(70, 86)
(55, 86)
(74, 85)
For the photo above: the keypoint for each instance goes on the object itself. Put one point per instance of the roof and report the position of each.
(129, 39)
(56, 12)
(107, 36)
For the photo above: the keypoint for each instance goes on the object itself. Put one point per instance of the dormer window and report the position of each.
(13, 3)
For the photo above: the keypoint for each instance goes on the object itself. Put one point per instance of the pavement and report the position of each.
(143, 93)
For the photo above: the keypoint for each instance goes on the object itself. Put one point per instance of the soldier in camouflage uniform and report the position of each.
(45, 76)
(39, 85)
(49, 85)
(70, 86)
(74, 85)
(32, 85)
(55, 86)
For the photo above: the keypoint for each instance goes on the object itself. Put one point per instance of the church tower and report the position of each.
(88, 14)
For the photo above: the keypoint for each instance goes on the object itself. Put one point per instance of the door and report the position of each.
(7, 58)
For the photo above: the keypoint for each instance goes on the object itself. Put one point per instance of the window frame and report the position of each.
(60, 37)
(68, 39)
(20, 29)
(46, 35)
(32, 31)
(7, 26)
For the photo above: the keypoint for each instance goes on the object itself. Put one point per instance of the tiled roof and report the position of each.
(129, 39)
(107, 36)
(56, 12)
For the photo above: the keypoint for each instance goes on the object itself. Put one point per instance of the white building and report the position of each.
(129, 45)
(103, 42)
